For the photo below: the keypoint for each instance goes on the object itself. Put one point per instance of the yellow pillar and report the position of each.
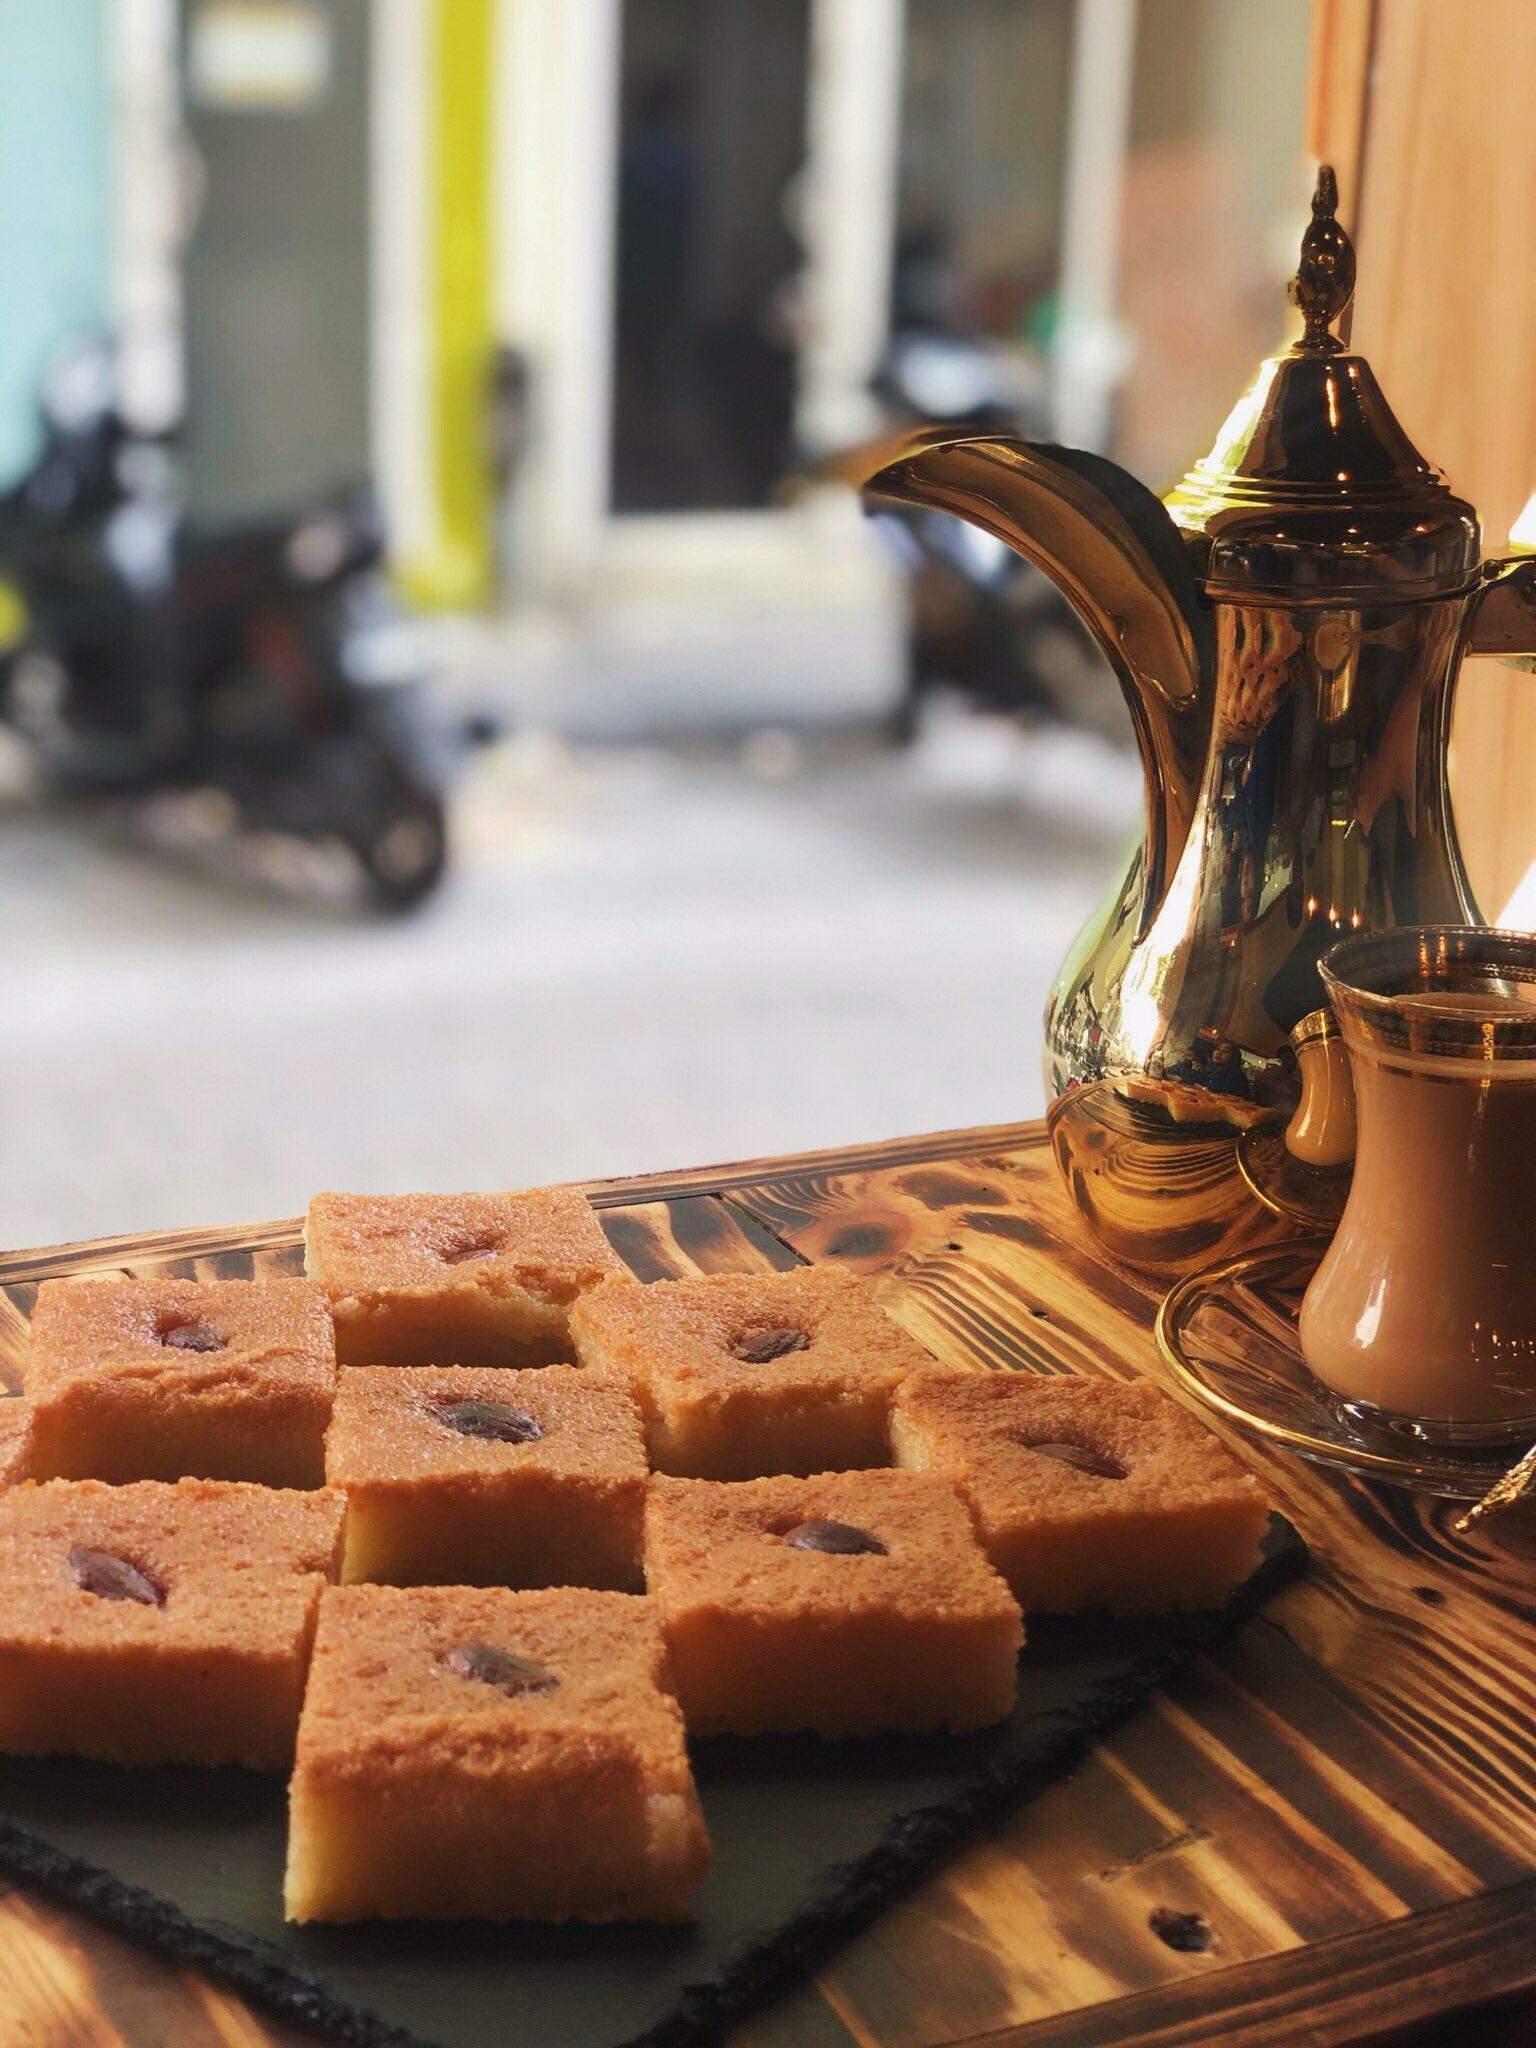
(456, 568)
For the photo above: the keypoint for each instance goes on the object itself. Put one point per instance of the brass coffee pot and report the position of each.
(1286, 626)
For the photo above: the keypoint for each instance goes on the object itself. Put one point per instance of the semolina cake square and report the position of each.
(456, 1279)
(742, 1375)
(482, 1476)
(169, 1379)
(154, 1623)
(850, 1603)
(1086, 1494)
(15, 1438)
(476, 1752)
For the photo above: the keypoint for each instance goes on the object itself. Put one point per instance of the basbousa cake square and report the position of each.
(475, 1752)
(850, 1603)
(456, 1279)
(476, 1475)
(167, 1379)
(15, 1438)
(1086, 1494)
(747, 1374)
(154, 1623)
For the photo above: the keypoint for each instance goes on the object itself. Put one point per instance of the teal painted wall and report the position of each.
(54, 197)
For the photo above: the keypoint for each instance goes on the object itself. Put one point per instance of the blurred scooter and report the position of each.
(982, 621)
(213, 683)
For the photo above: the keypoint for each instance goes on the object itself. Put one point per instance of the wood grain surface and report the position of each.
(1345, 1799)
(1426, 107)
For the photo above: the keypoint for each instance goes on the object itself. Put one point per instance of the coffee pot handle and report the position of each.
(1322, 1131)
(1503, 615)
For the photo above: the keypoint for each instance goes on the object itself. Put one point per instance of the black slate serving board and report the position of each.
(811, 1841)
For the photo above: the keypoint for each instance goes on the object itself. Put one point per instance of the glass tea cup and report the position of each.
(1422, 1315)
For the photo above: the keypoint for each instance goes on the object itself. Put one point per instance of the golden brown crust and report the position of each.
(544, 1241)
(709, 1544)
(385, 1427)
(238, 1564)
(431, 1505)
(113, 1393)
(15, 1440)
(274, 1335)
(159, 1624)
(687, 1331)
(716, 1413)
(892, 1620)
(1173, 1520)
(978, 1427)
(381, 1690)
(491, 1753)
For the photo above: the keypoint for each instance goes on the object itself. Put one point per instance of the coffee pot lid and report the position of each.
(1313, 493)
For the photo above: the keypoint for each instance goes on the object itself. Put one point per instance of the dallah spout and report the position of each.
(1117, 557)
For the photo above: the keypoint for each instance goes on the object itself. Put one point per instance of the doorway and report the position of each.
(276, 272)
(711, 145)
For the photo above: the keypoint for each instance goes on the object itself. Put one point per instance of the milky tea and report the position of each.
(1424, 1306)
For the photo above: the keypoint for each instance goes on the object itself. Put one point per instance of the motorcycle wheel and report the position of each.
(403, 856)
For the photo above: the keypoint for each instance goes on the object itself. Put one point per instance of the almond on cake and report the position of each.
(483, 1476)
(474, 1752)
(850, 1603)
(154, 1623)
(747, 1374)
(169, 1379)
(456, 1279)
(1086, 1493)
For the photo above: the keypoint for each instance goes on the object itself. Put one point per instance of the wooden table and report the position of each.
(1345, 1796)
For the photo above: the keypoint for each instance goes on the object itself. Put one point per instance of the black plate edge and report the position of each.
(852, 1897)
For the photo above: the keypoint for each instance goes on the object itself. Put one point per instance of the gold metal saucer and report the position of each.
(1228, 1335)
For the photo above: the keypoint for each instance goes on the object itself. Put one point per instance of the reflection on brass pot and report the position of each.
(1163, 1196)
(1286, 629)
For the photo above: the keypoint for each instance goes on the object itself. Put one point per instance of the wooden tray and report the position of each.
(1345, 1798)
(811, 1840)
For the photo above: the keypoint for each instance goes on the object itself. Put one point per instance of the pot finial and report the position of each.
(1324, 282)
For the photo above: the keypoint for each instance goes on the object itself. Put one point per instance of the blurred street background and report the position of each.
(456, 726)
